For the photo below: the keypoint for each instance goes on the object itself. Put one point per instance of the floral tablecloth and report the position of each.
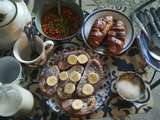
(114, 106)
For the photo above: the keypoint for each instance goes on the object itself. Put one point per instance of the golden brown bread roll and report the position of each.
(114, 45)
(99, 30)
(118, 26)
(115, 38)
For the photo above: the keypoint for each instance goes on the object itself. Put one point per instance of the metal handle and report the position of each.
(30, 30)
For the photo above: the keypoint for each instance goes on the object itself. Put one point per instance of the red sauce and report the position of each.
(62, 26)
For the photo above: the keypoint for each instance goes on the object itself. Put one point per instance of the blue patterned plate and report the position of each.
(102, 92)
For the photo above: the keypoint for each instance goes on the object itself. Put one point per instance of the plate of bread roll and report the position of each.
(108, 32)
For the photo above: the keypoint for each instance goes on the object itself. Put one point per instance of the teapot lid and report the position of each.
(8, 12)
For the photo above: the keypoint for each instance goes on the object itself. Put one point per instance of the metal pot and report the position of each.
(48, 4)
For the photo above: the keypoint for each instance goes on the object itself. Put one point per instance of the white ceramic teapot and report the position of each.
(14, 15)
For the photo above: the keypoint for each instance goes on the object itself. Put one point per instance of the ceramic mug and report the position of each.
(15, 100)
(22, 51)
(10, 71)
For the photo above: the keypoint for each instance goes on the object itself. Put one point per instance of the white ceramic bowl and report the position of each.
(90, 19)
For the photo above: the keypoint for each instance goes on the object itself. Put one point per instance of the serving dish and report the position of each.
(101, 92)
(90, 19)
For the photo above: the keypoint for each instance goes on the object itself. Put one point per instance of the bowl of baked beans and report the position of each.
(59, 27)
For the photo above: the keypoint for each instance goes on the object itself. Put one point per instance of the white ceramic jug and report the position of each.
(15, 101)
(14, 15)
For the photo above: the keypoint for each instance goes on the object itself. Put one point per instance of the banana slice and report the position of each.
(63, 76)
(87, 89)
(75, 76)
(93, 78)
(52, 81)
(69, 88)
(72, 59)
(77, 104)
(82, 59)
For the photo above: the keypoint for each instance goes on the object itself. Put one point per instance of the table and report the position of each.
(114, 106)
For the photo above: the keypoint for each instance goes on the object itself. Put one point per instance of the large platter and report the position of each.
(101, 94)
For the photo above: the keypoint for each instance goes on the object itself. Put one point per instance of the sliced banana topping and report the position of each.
(77, 104)
(82, 59)
(72, 59)
(52, 81)
(63, 76)
(75, 76)
(87, 89)
(93, 78)
(69, 88)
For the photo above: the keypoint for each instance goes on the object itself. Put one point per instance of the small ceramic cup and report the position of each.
(22, 51)
(131, 87)
(10, 71)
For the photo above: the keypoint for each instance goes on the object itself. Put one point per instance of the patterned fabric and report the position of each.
(113, 106)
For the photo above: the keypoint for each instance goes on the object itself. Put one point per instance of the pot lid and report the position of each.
(8, 12)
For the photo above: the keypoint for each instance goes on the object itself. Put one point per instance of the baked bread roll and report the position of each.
(99, 30)
(115, 38)
(115, 45)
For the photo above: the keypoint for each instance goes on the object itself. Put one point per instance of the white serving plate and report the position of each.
(90, 19)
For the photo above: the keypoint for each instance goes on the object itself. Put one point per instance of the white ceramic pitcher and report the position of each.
(15, 100)
(14, 15)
